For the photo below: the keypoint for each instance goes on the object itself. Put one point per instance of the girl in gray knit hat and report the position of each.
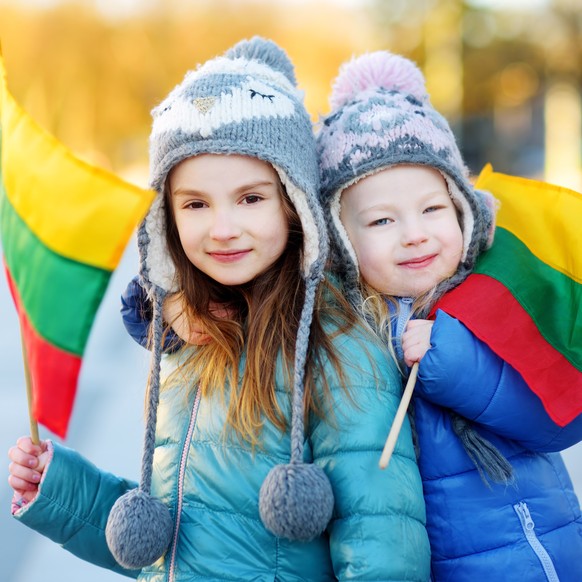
(406, 226)
(261, 444)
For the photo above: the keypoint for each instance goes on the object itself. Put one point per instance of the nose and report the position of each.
(224, 226)
(413, 233)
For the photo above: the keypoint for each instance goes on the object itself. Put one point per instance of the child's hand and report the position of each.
(416, 340)
(27, 466)
(192, 332)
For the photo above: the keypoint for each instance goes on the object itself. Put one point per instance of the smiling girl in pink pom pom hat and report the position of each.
(407, 226)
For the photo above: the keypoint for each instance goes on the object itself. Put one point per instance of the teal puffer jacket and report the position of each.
(210, 482)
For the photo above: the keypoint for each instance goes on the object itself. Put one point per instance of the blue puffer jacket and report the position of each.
(530, 530)
(211, 484)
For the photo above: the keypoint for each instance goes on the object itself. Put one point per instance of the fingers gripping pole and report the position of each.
(399, 418)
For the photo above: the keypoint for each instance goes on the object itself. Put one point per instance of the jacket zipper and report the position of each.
(528, 525)
(403, 315)
(183, 458)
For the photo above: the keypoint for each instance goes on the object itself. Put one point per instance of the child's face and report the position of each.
(404, 229)
(230, 215)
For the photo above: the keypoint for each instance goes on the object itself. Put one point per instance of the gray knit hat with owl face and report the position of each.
(246, 103)
(381, 116)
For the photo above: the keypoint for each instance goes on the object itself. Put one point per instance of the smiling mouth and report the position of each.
(229, 256)
(418, 263)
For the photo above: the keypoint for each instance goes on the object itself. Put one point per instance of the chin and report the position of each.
(232, 281)
(416, 291)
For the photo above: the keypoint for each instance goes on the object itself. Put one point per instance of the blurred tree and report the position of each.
(506, 60)
(92, 79)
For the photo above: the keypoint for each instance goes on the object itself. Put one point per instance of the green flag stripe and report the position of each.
(60, 296)
(552, 299)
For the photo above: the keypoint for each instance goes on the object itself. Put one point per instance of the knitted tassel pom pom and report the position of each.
(296, 500)
(139, 527)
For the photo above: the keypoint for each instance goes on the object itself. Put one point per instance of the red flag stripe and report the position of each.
(483, 304)
(59, 370)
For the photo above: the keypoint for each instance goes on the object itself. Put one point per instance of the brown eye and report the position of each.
(195, 205)
(252, 199)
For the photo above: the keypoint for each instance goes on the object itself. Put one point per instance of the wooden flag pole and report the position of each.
(399, 418)
(29, 396)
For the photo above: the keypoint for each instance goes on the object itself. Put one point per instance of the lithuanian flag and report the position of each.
(524, 298)
(64, 226)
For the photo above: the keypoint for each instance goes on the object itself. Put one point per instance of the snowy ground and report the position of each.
(106, 427)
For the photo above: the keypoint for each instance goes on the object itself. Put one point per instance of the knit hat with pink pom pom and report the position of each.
(381, 116)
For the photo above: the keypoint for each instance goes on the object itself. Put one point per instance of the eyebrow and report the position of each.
(239, 190)
(388, 206)
(383, 206)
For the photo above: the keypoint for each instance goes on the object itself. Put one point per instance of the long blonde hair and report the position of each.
(263, 325)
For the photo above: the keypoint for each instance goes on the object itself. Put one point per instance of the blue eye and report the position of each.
(380, 222)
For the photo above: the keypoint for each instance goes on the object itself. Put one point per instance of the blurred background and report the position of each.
(506, 73)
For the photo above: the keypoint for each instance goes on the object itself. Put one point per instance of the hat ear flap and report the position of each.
(296, 500)
(489, 207)
(139, 528)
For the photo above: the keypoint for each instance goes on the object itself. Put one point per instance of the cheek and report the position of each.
(368, 274)
(279, 244)
(357, 239)
(456, 242)
(370, 247)
(278, 235)
(372, 262)
(189, 235)
(453, 252)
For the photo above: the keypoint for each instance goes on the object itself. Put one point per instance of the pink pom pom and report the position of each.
(374, 71)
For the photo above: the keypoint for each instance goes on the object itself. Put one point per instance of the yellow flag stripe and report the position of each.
(545, 217)
(78, 211)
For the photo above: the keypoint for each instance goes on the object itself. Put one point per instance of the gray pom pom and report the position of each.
(265, 51)
(139, 529)
(296, 501)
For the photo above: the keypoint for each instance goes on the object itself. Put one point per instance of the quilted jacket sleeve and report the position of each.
(72, 507)
(378, 528)
(462, 373)
(136, 312)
